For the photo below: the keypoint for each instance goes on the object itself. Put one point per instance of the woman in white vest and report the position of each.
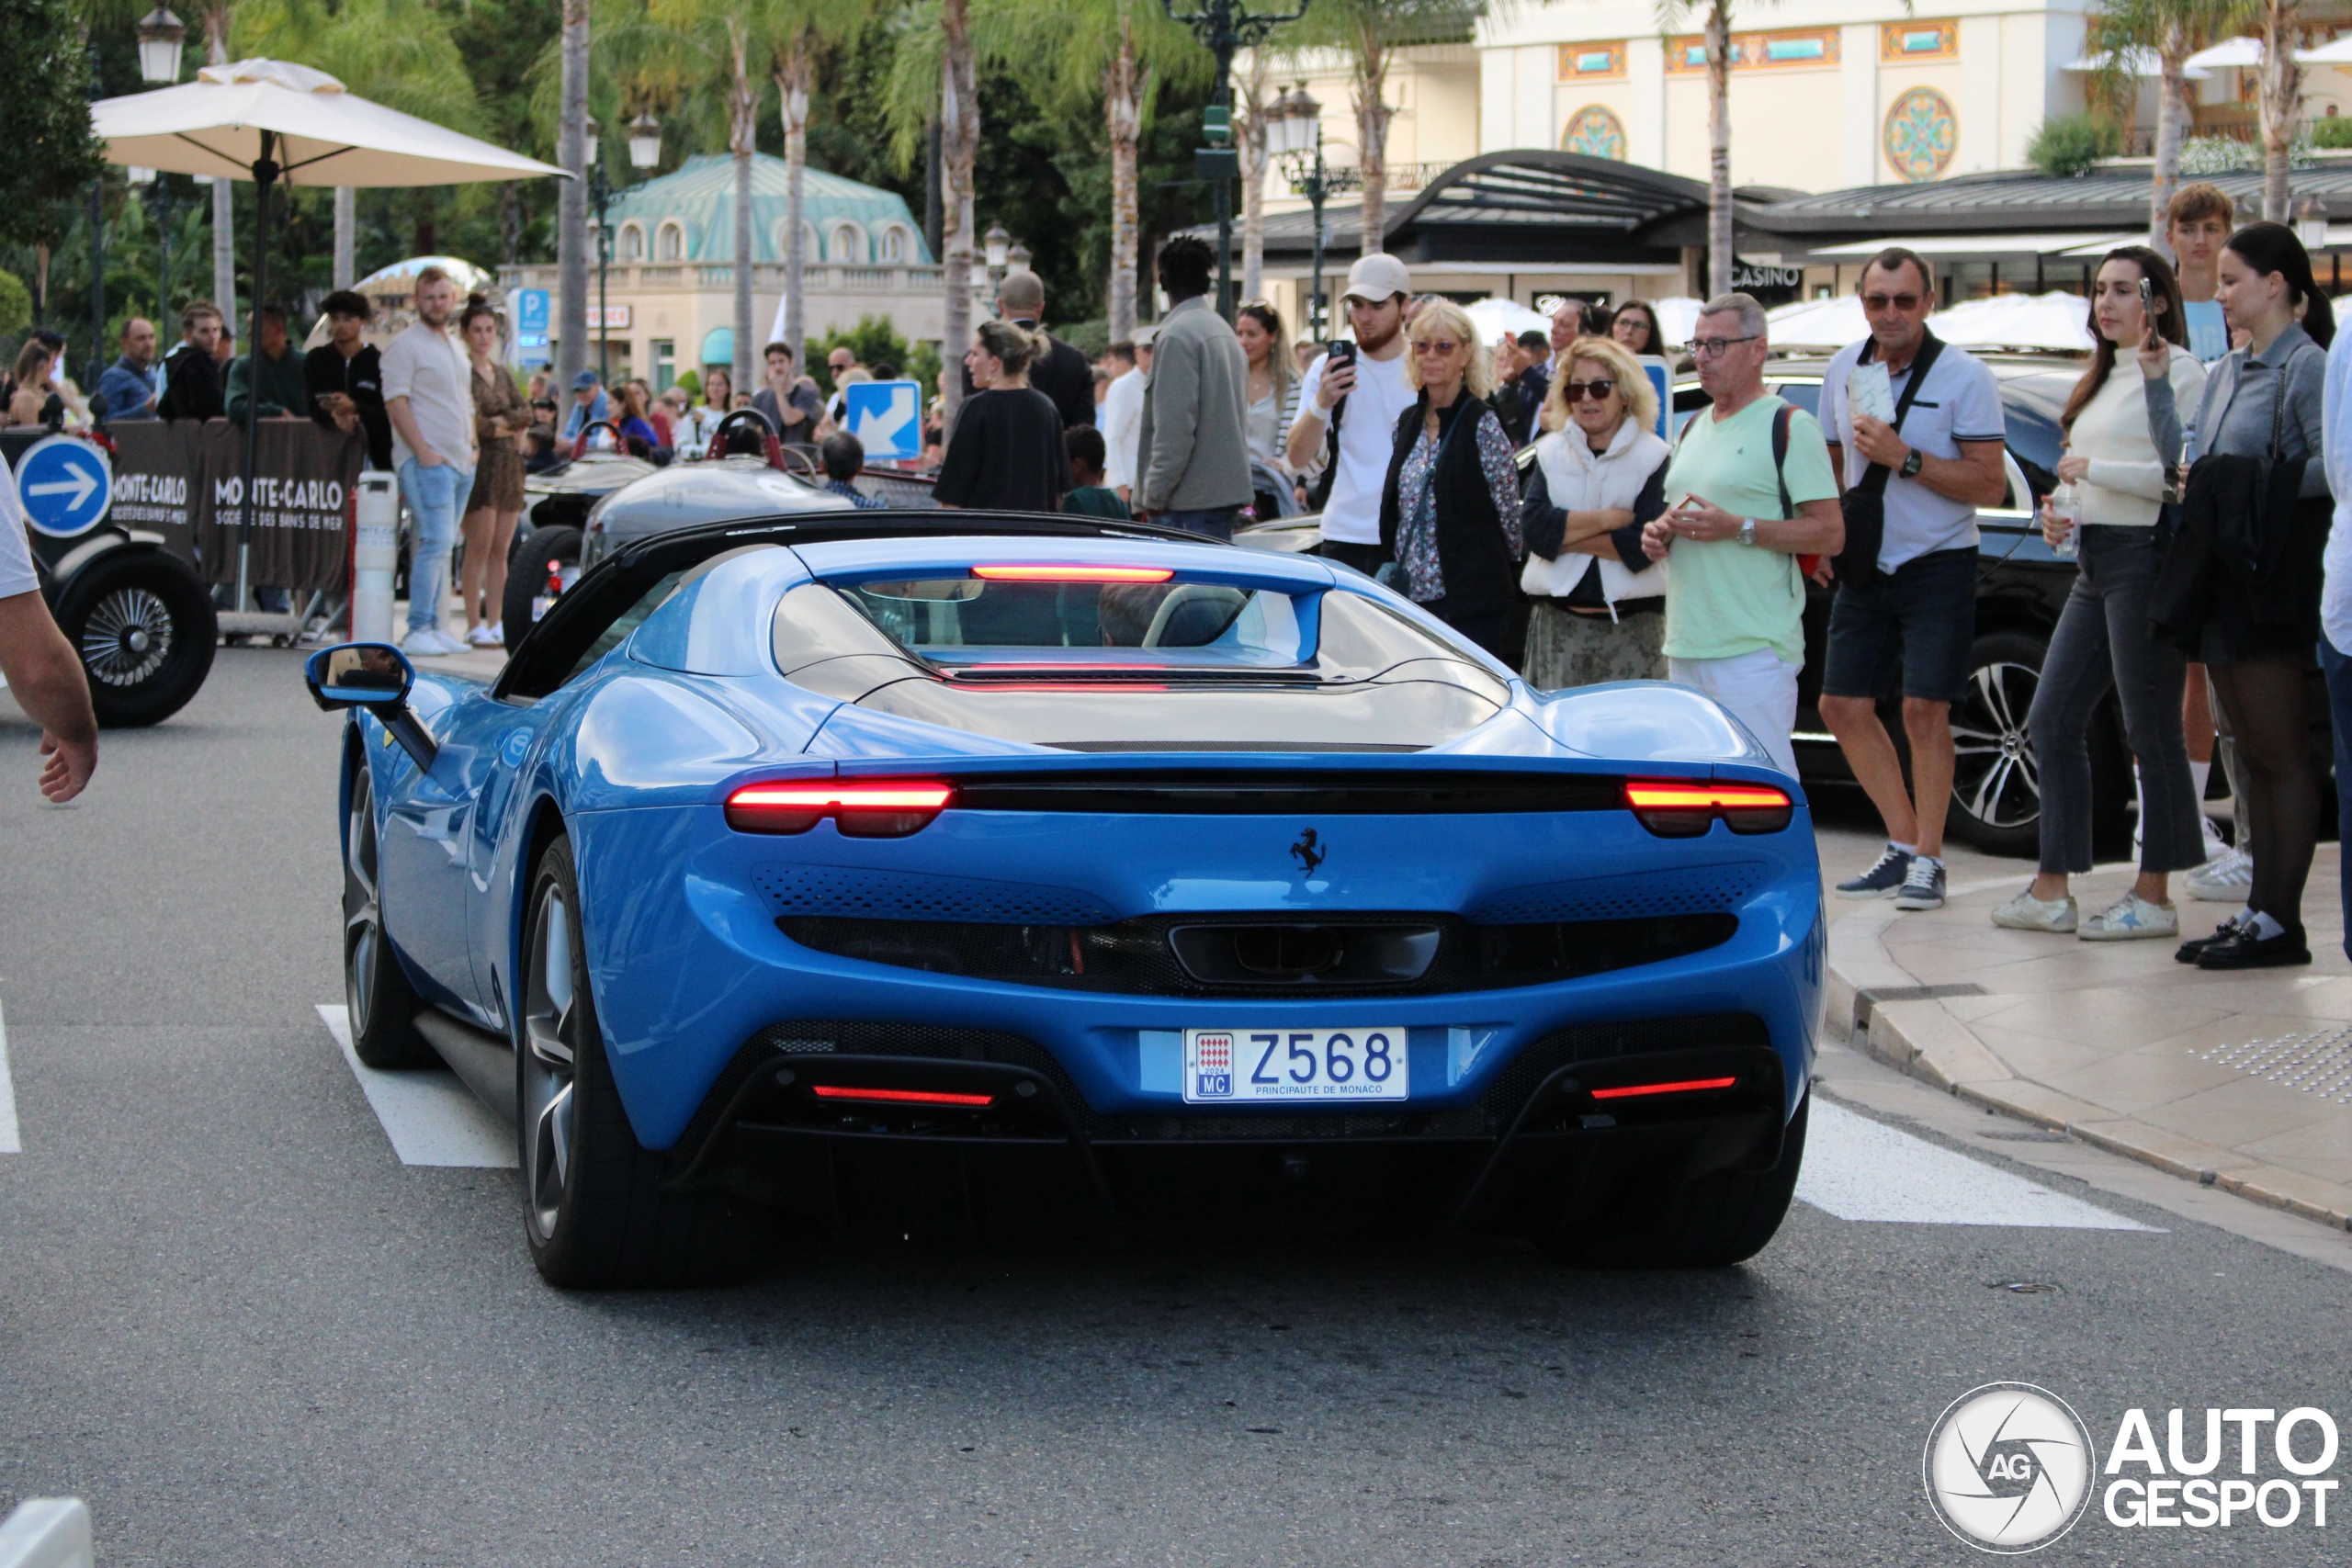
(1599, 601)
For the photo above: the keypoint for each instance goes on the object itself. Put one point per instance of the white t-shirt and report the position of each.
(1960, 402)
(1122, 423)
(434, 374)
(1367, 439)
(16, 551)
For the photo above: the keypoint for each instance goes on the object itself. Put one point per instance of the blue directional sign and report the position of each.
(884, 416)
(65, 484)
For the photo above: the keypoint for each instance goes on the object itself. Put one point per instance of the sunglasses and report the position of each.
(1900, 301)
(1435, 346)
(1598, 391)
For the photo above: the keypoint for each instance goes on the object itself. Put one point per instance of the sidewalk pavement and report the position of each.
(2242, 1081)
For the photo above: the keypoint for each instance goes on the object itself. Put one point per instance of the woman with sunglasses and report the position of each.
(1449, 512)
(1601, 474)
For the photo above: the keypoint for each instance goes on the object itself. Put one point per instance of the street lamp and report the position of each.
(1019, 257)
(996, 249)
(644, 141)
(161, 35)
(1224, 27)
(1300, 125)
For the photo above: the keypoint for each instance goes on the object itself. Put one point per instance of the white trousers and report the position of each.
(1757, 689)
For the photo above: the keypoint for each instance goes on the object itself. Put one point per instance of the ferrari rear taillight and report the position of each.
(1644, 1090)
(864, 808)
(1684, 808)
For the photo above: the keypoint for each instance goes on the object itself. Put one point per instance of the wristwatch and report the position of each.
(1913, 464)
(1747, 530)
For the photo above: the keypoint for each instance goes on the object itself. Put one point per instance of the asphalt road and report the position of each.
(237, 1325)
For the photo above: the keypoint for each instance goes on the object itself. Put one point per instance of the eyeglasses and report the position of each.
(1435, 346)
(1900, 301)
(1716, 347)
(1598, 391)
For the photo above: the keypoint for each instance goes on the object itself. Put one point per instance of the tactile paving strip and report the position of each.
(2318, 1063)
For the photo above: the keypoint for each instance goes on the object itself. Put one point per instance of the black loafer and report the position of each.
(2246, 951)
(2188, 950)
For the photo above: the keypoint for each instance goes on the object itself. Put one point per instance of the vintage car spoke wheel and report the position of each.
(379, 1003)
(145, 629)
(600, 1208)
(127, 638)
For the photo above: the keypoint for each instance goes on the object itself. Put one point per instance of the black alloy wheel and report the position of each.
(378, 999)
(1997, 779)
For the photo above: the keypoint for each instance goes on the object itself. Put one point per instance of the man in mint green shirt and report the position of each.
(1735, 600)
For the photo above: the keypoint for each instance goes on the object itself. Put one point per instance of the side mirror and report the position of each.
(376, 676)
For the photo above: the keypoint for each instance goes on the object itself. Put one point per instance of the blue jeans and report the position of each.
(2339, 668)
(434, 496)
(1216, 522)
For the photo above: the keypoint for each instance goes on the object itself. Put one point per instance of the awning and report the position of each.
(2073, 244)
(2139, 61)
(718, 347)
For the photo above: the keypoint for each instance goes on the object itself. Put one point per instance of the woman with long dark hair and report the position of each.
(1635, 326)
(494, 508)
(2103, 641)
(2240, 587)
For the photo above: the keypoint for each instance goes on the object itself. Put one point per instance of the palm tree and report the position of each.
(572, 195)
(933, 87)
(1369, 32)
(795, 30)
(395, 52)
(1254, 92)
(1716, 28)
(2123, 33)
(215, 16)
(2282, 100)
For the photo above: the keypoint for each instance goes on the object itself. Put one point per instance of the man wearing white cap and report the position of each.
(1363, 394)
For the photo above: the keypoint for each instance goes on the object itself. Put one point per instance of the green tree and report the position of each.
(1370, 33)
(796, 33)
(2123, 35)
(45, 125)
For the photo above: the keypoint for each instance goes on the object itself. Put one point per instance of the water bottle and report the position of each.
(2064, 504)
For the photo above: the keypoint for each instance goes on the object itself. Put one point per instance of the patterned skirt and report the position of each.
(1568, 649)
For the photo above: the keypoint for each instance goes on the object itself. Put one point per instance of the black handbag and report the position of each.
(1865, 505)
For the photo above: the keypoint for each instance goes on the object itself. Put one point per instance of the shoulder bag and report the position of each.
(1865, 505)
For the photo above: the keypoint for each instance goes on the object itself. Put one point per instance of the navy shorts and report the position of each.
(1921, 618)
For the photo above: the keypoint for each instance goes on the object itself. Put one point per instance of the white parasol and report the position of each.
(272, 122)
(1817, 323)
(2057, 321)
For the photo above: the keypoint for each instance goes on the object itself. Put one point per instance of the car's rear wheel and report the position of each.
(378, 1001)
(1709, 1223)
(145, 629)
(554, 549)
(597, 1211)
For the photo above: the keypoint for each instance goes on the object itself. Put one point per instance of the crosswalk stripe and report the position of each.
(430, 1117)
(1859, 1169)
(9, 1142)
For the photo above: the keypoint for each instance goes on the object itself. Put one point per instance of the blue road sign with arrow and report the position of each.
(884, 416)
(65, 484)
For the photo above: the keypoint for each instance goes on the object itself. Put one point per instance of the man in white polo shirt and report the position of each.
(39, 665)
(1366, 394)
(1935, 463)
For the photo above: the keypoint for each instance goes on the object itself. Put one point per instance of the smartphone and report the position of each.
(2147, 300)
(1342, 352)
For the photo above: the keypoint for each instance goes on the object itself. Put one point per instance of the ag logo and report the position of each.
(2009, 1468)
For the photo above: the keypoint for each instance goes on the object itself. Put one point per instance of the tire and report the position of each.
(1997, 782)
(527, 574)
(380, 1003)
(1710, 1223)
(145, 629)
(595, 1211)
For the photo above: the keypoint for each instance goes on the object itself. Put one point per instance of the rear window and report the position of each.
(967, 620)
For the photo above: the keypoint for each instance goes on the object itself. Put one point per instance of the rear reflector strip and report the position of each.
(1688, 1086)
(905, 1096)
(1074, 573)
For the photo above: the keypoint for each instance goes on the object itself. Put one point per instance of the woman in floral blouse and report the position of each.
(1449, 514)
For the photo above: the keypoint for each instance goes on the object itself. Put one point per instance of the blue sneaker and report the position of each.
(1881, 879)
(1923, 885)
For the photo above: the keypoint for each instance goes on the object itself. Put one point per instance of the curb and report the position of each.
(1893, 1018)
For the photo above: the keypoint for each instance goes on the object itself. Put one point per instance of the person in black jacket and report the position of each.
(1450, 511)
(1006, 454)
(191, 372)
(345, 377)
(1060, 372)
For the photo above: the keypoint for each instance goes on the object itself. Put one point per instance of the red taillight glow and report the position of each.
(1684, 808)
(900, 1096)
(879, 808)
(1688, 1086)
(1074, 573)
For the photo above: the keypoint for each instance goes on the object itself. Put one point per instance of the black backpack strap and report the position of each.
(1780, 455)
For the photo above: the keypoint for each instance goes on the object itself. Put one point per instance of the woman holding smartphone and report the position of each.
(2103, 640)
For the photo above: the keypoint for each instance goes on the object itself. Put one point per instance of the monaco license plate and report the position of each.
(1226, 1067)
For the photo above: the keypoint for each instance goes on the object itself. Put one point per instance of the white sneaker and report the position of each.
(427, 642)
(2027, 913)
(487, 635)
(2214, 847)
(2227, 878)
(2131, 918)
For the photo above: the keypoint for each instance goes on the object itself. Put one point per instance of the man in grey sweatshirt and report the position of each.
(1192, 454)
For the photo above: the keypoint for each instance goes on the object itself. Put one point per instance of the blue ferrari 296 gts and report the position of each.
(956, 873)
